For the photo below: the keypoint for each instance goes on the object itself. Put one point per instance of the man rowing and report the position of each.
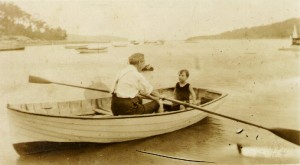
(129, 85)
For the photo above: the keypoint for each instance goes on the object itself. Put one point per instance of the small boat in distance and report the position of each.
(291, 48)
(295, 46)
(119, 44)
(295, 37)
(91, 120)
(92, 50)
(158, 42)
(75, 46)
(9, 47)
(134, 42)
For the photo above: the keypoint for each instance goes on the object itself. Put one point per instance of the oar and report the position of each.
(290, 135)
(39, 80)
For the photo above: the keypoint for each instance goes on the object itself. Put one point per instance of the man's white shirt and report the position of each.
(129, 82)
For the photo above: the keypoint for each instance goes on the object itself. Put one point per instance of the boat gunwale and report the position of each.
(97, 117)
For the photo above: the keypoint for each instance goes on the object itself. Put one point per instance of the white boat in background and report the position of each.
(134, 42)
(75, 46)
(95, 50)
(119, 44)
(99, 46)
(295, 37)
(291, 48)
(11, 47)
(295, 42)
(160, 42)
(76, 121)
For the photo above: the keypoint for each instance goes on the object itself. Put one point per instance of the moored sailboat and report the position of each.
(295, 37)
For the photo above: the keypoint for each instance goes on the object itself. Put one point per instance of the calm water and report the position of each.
(262, 83)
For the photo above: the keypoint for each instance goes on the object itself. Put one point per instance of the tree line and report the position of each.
(16, 22)
(278, 30)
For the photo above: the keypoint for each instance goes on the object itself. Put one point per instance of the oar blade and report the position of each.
(35, 79)
(290, 135)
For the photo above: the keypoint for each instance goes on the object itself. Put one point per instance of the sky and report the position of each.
(158, 19)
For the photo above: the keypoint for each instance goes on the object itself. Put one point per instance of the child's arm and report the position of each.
(193, 94)
(174, 92)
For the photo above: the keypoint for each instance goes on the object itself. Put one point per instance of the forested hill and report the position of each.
(16, 22)
(272, 31)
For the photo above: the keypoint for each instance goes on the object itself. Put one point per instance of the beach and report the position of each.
(262, 84)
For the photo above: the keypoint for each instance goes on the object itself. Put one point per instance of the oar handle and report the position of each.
(213, 113)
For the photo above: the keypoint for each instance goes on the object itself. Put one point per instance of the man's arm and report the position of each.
(146, 89)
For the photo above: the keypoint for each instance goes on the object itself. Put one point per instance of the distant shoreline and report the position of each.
(26, 41)
(275, 30)
(59, 42)
(37, 42)
(235, 39)
(48, 42)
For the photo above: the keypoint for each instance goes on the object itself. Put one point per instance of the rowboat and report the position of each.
(92, 121)
(92, 50)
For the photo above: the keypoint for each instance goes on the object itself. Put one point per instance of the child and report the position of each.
(183, 90)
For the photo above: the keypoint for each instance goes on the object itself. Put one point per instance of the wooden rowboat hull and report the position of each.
(67, 122)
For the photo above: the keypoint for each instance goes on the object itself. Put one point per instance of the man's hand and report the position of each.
(162, 97)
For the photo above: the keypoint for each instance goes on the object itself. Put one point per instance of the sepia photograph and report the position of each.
(149, 82)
